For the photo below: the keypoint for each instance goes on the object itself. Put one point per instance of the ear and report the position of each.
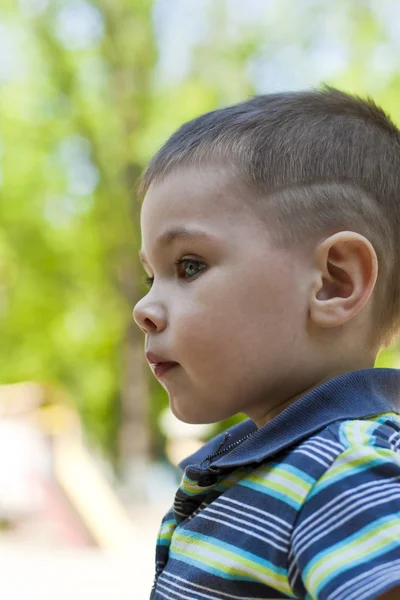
(347, 269)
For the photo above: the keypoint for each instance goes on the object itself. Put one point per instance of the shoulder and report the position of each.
(380, 431)
(347, 452)
(368, 450)
(350, 520)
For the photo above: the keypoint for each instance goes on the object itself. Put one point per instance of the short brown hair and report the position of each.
(321, 160)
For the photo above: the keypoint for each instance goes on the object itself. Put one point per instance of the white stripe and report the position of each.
(292, 577)
(347, 557)
(189, 585)
(313, 457)
(258, 510)
(296, 576)
(337, 502)
(265, 522)
(176, 594)
(182, 514)
(252, 533)
(302, 530)
(198, 594)
(313, 445)
(202, 506)
(258, 576)
(375, 586)
(340, 503)
(293, 565)
(338, 524)
(274, 476)
(360, 432)
(325, 440)
(227, 517)
(302, 544)
(342, 592)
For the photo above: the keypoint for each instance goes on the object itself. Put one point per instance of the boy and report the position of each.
(270, 232)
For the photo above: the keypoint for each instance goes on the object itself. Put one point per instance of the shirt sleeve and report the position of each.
(346, 541)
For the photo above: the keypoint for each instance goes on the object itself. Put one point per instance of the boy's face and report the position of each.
(234, 315)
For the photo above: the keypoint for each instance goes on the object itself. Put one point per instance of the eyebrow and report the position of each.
(171, 235)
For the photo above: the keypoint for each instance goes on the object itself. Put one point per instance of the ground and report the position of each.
(33, 569)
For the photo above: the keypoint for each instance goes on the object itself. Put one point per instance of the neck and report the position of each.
(271, 412)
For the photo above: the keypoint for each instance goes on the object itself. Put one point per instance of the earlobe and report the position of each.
(346, 273)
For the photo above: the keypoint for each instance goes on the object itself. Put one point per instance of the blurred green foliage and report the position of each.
(87, 94)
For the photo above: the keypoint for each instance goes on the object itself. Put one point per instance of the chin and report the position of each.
(191, 419)
(194, 420)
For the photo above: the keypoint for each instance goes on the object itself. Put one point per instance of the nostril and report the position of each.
(148, 324)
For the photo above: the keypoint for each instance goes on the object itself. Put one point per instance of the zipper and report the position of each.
(221, 450)
(227, 435)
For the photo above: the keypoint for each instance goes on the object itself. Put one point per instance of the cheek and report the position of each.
(233, 321)
(226, 327)
(205, 334)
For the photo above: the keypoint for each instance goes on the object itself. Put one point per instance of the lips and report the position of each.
(154, 358)
(161, 368)
(160, 364)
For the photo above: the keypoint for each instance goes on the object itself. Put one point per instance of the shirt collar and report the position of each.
(355, 395)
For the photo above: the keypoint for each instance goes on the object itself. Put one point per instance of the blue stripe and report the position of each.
(351, 472)
(163, 542)
(229, 547)
(208, 568)
(302, 475)
(390, 545)
(270, 492)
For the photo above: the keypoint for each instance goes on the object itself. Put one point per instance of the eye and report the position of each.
(191, 267)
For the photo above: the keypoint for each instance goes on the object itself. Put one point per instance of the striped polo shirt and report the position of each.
(307, 506)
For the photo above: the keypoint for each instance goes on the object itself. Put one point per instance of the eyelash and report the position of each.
(150, 280)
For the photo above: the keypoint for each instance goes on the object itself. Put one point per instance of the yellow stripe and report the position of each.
(238, 564)
(353, 459)
(347, 554)
(166, 531)
(282, 481)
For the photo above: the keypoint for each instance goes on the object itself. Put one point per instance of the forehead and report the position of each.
(208, 195)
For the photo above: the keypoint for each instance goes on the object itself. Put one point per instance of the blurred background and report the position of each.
(88, 92)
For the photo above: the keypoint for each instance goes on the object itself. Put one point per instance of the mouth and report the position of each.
(159, 369)
(159, 365)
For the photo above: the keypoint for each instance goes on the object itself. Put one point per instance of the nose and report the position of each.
(149, 316)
